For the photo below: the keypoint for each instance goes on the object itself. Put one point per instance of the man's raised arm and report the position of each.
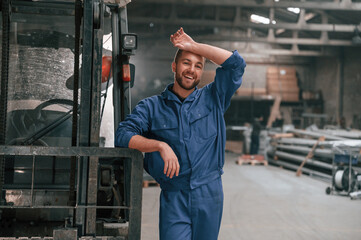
(184, 42)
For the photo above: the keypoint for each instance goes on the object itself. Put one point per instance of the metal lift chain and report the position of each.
(4, 85)
(78, 16)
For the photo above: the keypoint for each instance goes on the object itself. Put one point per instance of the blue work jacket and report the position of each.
(194, 129)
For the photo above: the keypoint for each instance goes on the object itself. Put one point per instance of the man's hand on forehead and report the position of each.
(182, 40)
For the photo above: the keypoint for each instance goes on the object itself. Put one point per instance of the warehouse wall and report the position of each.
(327, 78)
(256, 73)
(352, 84)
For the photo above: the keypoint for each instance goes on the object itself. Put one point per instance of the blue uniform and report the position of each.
(191, 203)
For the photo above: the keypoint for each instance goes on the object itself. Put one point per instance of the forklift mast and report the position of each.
(56, 180)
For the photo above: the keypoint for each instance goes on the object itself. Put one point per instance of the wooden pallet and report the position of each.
(253, 160)
(149, 183)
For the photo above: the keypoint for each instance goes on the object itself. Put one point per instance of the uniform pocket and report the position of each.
(165, 128)
(203, 123)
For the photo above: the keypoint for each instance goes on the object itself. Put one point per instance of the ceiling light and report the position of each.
(294, 10)
(259, 19)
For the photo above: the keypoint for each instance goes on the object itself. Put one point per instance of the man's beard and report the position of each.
(179, 80)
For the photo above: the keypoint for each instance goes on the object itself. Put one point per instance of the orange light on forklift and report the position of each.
(126, 73)
(106, 68)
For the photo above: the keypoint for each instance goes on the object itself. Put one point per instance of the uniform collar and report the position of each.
(167, 94)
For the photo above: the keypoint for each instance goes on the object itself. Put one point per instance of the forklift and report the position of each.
(57, 180)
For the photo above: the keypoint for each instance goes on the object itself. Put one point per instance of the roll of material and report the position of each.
(338, 179)
(342, 181)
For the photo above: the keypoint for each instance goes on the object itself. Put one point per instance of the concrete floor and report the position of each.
(271, 203)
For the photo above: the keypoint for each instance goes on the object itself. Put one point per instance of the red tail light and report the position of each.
(106, 68)
(126, 73)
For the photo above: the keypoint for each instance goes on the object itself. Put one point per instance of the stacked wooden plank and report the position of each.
(282, 81)
(251, 92)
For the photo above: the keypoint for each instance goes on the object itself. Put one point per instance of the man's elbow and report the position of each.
(122, 137)
(119, 138)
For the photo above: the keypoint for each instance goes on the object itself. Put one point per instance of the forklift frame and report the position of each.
(86, 151)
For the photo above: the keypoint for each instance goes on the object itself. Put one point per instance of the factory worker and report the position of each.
(182, 131)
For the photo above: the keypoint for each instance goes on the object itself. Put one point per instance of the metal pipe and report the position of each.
(315, 134)
(323, 176)
(304, 142)
(272, 153)
(341, 133)
(297, 141)
(301, 158)
(305, 150)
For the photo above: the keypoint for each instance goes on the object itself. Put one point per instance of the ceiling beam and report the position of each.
(288, 41)
(284, 52)
(276, 40)
(343, 5)
(248, 51)
(153, 46)
(307, 17)
(219, 23)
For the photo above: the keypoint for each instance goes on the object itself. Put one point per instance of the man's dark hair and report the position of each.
(178, 55)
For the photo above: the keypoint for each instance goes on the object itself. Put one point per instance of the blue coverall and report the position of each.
(191, 204)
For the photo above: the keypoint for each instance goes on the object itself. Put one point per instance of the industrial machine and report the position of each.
(345, 180)
(56, 181)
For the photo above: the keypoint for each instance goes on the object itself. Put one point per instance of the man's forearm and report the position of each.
(212, 53)
(215, 54)
(144, 144)
(171, 164)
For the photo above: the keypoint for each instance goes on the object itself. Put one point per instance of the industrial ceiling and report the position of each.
(299, 28)
(273, 27)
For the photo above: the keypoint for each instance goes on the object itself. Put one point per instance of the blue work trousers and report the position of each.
(254, 144)
(191, 214)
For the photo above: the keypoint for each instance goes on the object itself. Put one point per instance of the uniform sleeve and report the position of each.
(136, 123)
(228, 79)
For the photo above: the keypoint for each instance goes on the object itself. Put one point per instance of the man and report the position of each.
(256, 130)
(182, 132)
